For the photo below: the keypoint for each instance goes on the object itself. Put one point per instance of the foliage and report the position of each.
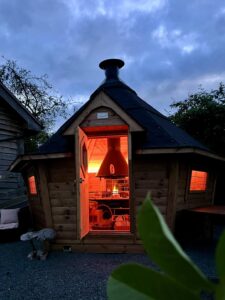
(178, 278)
(31, 143)
(202, 115)
(34, 92)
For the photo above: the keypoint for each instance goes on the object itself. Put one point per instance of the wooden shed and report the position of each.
(88, 180)
(16, 123)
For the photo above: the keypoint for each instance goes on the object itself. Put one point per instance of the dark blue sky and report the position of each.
(169, 47)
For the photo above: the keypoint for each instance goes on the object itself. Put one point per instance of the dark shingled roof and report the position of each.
(160, 131)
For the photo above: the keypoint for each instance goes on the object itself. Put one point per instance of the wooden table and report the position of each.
(212, 210)
(215, 216)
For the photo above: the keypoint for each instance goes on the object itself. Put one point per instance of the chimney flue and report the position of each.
(111, 67)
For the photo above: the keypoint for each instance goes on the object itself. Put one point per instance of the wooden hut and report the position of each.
(16, 123)
(88, 180)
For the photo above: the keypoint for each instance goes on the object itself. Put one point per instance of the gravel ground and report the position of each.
(71, 275)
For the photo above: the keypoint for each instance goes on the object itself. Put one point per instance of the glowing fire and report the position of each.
(115, 190)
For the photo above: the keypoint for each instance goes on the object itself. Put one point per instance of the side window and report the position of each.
(198, 181)
(32, 185)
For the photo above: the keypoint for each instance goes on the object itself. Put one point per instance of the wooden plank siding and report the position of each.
(151, 175)
(11, 144)
(62, 197)
(92, 120)
(35, 201)
(187, 199)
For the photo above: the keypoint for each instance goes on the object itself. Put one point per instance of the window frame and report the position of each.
(33, 194)
(206, 183)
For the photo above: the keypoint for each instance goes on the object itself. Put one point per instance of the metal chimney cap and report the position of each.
(112, 62)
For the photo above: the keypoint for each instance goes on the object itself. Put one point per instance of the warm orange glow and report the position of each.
(97, 149)
(108, 198)
(32, 185)
(198, 180)
(115, 190)
(94, 166)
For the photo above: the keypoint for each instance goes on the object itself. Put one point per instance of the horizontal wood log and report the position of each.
(157, 201)
(62, 194)
(60, 202)
(67, 211)
(151, 183)
(61, 186)
(66, 235)
(159, 193)
(65, 227)
(65, 219)
(160, 175)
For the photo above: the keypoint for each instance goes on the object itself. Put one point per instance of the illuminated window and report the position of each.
(32, 185)
(198, 181)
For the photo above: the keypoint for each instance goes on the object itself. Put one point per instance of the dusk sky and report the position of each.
(170, 48)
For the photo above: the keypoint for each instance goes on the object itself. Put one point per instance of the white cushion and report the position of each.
(9, 215)
(8, 226)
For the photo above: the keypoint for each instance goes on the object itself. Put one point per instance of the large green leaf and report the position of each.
(164, 250)
(220, 265)
(133, 281)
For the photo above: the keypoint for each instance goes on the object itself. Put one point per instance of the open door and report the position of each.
(82, 183)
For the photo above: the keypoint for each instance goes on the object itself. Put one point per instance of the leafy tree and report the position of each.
(202, 115)
(37, 95)
(34, 92)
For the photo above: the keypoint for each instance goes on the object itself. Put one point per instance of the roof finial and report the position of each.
(111, 67)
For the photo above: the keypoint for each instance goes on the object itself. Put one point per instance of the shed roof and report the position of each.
(8, 97)
(160, 132)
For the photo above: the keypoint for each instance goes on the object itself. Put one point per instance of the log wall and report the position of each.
(165, 177)
(35, 201)
(187, 199)
(61, 186)
(151, 174)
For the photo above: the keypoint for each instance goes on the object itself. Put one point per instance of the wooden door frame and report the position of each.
(77, 181)
(131, 187)
(131, 192)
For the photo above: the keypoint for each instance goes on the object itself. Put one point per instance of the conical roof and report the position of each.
(160, 132)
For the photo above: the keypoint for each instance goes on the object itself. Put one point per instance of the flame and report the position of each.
(115, 190)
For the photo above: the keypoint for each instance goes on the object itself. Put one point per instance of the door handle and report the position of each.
(81, 180)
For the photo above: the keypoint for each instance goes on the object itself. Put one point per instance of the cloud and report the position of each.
(120, 10)
(169, 47)
(175, 38)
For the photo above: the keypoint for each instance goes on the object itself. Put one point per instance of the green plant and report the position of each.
(201, 114)
(178, 278)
